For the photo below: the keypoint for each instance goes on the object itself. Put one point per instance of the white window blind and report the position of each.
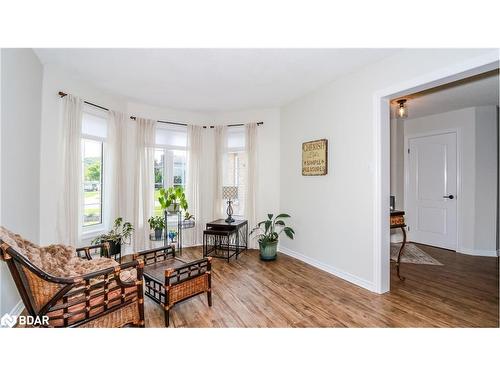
(236, 138)
(171, 136)
(94, 125)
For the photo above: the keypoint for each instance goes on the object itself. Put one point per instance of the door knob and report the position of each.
(448, 196)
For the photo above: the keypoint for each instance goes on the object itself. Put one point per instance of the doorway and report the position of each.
(431, 189)
(381, 165)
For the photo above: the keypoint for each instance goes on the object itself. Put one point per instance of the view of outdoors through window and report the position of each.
(92, 181)
(170, 169)
(235, 175)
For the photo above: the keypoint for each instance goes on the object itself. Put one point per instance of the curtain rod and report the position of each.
(183, 124)
(63, 94)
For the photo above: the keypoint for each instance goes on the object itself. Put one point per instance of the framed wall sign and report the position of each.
(315, 158)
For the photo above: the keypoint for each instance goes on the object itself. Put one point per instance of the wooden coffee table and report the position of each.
(169, 280)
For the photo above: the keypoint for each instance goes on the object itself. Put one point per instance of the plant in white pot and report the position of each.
(268, 234)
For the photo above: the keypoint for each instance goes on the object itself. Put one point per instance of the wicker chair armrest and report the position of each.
(158, 254)
(86, 249)
(138, 263)
(187, 271)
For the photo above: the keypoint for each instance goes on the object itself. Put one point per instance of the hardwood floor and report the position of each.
(290, 293)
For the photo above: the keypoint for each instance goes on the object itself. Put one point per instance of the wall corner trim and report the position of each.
(17, 309)
(358, 281)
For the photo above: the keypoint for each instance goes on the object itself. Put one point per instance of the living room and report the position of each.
(220, 187)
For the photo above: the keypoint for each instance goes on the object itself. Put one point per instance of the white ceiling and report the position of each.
(476, 91)
(211, 79)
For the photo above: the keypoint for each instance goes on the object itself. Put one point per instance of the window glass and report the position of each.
(92, 167)
(159, 178)
(170, 160)
(235, 174)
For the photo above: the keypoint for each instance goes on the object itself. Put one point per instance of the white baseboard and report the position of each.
(17, 309)
(478, 252)
(327, 268)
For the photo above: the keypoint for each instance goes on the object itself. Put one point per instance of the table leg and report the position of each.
(398, 262)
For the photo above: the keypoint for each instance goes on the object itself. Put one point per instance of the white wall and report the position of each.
(21, 87)
(477, 208)
(397, 164)
(333, 214)
(485, 228)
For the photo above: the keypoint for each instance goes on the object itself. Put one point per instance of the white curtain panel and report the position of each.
(69, 218)
(251, 178)
(220, 154)
(115, 184)
(194, 183)
(144, 181)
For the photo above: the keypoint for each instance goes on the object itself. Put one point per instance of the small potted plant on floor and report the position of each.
(268, 234)
(157, 224)
(116, 237)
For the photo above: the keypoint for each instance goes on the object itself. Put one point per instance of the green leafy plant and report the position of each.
(120, 234)
(269, 230)
(174, 199)
(156, 223)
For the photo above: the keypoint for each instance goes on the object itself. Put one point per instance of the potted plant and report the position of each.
(270, 231)
(120, 234)
(157, 224)
(173, 199)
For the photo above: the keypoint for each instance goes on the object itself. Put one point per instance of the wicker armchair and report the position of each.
(169, 280)
(109, 297)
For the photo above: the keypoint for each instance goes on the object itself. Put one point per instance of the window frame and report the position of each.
(165, 149)
(89, 231)
(237, 151)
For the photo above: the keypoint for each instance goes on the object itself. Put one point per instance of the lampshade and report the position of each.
(230, 192)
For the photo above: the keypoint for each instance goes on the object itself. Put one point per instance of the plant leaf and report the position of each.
(289, 232)
(270, 216)
(282, 215)
(268, 225)
(279, 222)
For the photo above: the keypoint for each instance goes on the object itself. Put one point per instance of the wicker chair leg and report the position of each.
(209, 298)
(167, 316)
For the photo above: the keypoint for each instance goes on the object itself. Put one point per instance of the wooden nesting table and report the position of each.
(169, 280)
(398, 221)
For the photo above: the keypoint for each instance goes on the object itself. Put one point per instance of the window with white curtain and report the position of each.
(235, 165)
(94, 133)
(170, 160)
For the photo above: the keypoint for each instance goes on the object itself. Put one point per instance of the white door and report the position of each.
(432, 190)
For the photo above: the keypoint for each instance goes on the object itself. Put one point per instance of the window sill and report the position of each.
(90, 234)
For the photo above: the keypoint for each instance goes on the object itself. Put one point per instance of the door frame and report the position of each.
(459, 151)
(381, 147)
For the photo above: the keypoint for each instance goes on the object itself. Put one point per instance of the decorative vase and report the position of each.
(158, 233)
(268, 250)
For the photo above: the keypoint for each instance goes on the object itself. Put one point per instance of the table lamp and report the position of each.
(229, 193)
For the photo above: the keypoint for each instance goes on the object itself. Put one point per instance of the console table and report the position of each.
(225, 240)
(398, 221)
